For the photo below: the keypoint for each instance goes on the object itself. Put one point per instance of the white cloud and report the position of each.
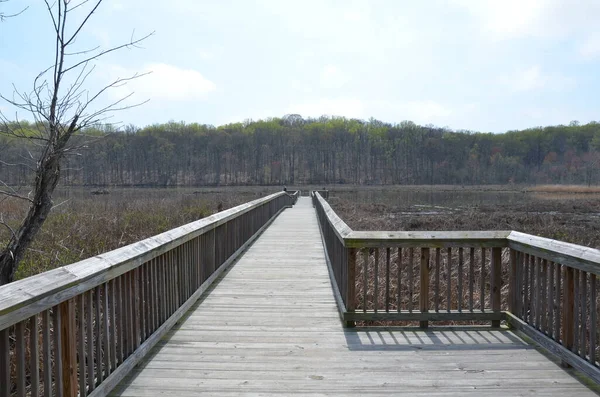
(333, 77)
(342, 106)
(533, 79)
(420, 111)
(510, 19)
(164, 81)
(590, 47)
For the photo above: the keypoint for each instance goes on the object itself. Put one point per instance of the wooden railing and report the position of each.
(543, 287)
(79, 329)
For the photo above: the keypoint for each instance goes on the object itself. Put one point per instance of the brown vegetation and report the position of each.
(83, 225)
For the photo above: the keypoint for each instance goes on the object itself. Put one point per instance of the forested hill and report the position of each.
(292, 150)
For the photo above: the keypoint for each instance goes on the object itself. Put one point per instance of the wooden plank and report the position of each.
(572, 255)
(424, 284)
(536, 284)
(561, 351)
(433, 239)
(557, 301)
(123, 370)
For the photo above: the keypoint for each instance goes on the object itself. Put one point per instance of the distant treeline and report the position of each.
(293, 150)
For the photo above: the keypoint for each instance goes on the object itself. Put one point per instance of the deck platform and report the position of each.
(270, 326)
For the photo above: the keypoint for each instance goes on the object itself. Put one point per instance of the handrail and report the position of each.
(96, 319)
(399, 276)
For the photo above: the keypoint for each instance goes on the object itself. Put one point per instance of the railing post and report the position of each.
(351, 284)
(68, 352)
(496, 283)
(424, 295)
(568, 327)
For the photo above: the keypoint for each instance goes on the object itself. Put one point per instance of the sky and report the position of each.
(473, 65)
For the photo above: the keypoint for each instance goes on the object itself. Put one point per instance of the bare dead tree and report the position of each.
(61, 107)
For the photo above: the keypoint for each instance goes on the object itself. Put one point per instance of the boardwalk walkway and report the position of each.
(270, 327)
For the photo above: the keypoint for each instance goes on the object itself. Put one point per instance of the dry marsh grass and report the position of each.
(576, 189)
(86, 225)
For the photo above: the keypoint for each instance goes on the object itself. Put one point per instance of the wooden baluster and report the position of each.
(98, 307)
(538, 291)
(437, 280)
(58, 357)
(68, 349)
(471, 277)
(81, 344)
(576, 311)
(105, 330)
(583, 306)
(557, 306)
(482, 281)
(376, 282)
(351, 285)
(411, 278)
(544, 293)
(20, 358)
(460, 279)
(4, 363)
(568, 311)
(424, 295)
(399, 275)
(496, 283)
(113, 328)
(593, 320)
(550, 326)
(34, 355)
(449, 282)
(365, 277)
(387, 280)
(513, 284)
(532, 267)
(525, 312)
(47, 353)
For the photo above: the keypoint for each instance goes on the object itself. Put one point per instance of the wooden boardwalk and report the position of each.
(270, 327)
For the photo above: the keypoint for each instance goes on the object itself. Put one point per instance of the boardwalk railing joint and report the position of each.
(545, 288)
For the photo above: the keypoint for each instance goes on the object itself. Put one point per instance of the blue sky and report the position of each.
(477, 65)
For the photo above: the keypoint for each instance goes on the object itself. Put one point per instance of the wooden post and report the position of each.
(351, 285)
(68, 351)
(496, 282)
(424, 295)
(568, 331)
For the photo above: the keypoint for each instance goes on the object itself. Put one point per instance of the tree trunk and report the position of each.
(47, 177)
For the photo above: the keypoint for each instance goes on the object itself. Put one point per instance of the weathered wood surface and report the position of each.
(271, 327)
(25, 298)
